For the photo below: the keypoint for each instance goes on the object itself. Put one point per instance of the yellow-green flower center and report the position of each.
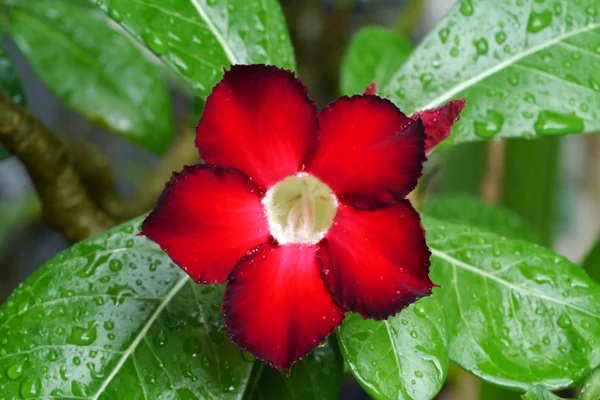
(300, 209)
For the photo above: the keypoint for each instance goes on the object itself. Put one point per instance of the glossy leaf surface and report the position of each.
(476, 213)
(404, 357)
(198, 38)
(526, 68)
(373, 55)
(94, 69)
(518, 315)
(318, 377)
(113, 318)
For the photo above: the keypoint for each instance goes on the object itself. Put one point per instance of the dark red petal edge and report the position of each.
(188, 222)
(350, 140)
(244, 270)
(371, 89)
(260, 120)
(376, 263)
(438, 122)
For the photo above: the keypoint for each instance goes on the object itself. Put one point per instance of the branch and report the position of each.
(96, 175)
(66, 205)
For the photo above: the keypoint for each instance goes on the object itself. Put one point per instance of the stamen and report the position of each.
(300, 209)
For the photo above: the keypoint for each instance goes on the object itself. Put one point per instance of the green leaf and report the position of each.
(518, 314)
(113, 318)
(539, 393)
(474, 212)
(523, 66)
(374, 54)
(318, 376)
(94, 69)
(11, 85)
(404, 357)
(198, 38)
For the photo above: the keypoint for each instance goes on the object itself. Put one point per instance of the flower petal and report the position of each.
(206, 220)
(276, 305)
(376, 262)
(438, 122)
(372, 88)
(259, 120)
(371, 154)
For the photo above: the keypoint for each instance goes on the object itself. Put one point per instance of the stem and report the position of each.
(66, 205)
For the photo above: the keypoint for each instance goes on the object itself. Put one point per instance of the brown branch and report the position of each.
(96, 175)
(66, 205)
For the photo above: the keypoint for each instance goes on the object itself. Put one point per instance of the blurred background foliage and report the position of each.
(551, 183)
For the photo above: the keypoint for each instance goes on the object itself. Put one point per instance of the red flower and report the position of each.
(302, 212)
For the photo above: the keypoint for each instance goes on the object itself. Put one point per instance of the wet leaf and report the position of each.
(404, 357)
(198, 38)
(113, 318)
(94, 69)
(525, 68)
(318, 376)
(472, 211)
(518, 315)
(373, 55)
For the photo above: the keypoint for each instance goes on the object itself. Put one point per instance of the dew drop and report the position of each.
(500, 37)
(491, 126)
(546, 340)
(15, 372)
(443, 34)
(420, 310)
(585, 324)
(553, 123)
(481, 45)
(115, 265)
(79, 389)
(192, 346)
(539, 21)
(426, 80)
(564, 321)
(155, 43)
(414, 334)
(115, 15)
(466, 8)
(160, 339)
(83, 336)
(31, 388)
(418, 374)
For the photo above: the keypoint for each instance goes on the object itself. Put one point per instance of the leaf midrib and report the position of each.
(473, 269)
(141, 335)
(456, 89)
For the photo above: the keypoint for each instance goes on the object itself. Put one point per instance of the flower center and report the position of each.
(300, 209)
